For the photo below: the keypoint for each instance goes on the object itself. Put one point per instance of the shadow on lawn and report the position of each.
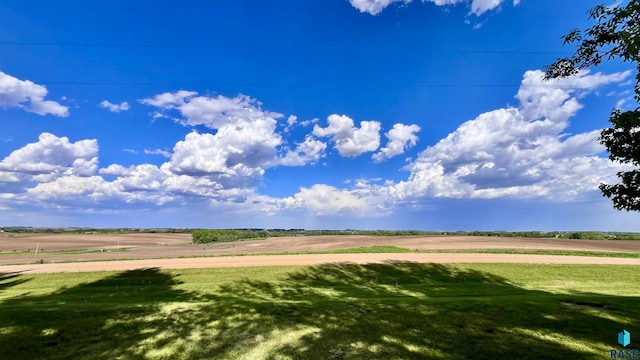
(339, 311)
(9, 279)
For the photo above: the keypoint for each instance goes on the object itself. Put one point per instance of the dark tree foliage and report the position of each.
(206, 236)
(615, 36)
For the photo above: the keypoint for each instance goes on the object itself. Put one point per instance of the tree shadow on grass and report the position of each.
(338, 311)
(409, 310)
(10, 279)
(82, 321)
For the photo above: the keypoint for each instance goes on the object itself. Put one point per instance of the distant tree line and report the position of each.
(206, 236)
(217, 235)
(82, 230)
(591, 235)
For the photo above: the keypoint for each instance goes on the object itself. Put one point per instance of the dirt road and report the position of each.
(313, 259)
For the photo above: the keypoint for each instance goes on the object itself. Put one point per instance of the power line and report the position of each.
(298, 85)
(99, 83)
(267, 47)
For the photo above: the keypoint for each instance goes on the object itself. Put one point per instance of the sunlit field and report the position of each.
(340, 311)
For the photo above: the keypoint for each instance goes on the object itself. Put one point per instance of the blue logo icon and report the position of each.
(624, 338)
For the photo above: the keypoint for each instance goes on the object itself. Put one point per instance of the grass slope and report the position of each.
(381, 311)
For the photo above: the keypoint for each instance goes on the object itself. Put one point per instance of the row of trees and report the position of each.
(84, 230)
(206, 236)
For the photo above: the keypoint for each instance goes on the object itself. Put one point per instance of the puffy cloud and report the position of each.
(123, 106)
(144, 177)
(244, 145)
(557, 100)
(95, 192)
(477, 7)
(53, 155)
(327, 200)
(308, 151)
(8, 177)
(29, 96)
(56, 173)
(429, 180)
(115, 170)
(374, 7)
(349, 140)
(517, 152)
(190, 186)
(84, 167)
(169, 100)
(401, 137)
(71, 188)
(212, 112)
(233, 154)
(309, 122)
(291, 120)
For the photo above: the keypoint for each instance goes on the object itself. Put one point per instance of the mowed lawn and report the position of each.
(342, 311)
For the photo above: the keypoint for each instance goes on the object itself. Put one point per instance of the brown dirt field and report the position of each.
(166, 250)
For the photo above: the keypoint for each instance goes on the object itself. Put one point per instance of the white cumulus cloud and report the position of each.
(52, 154)
(212, 112)
(374, 7)
(29, 96)
(230, 153)
(71, 189)
(349, 140)
(308, 151)
(477, 7)
(123, 106)
(323, 199)
(401, 137)
(518, 152)
(244, 145)
(115, 170)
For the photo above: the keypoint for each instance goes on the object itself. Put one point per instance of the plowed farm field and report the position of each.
(93, 252)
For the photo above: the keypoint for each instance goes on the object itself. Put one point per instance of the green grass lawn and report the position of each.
(382, 311)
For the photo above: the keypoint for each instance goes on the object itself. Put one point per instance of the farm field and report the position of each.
(52, 248)
(175, 300)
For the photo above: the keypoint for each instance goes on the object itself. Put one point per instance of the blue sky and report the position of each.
(370, 114)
